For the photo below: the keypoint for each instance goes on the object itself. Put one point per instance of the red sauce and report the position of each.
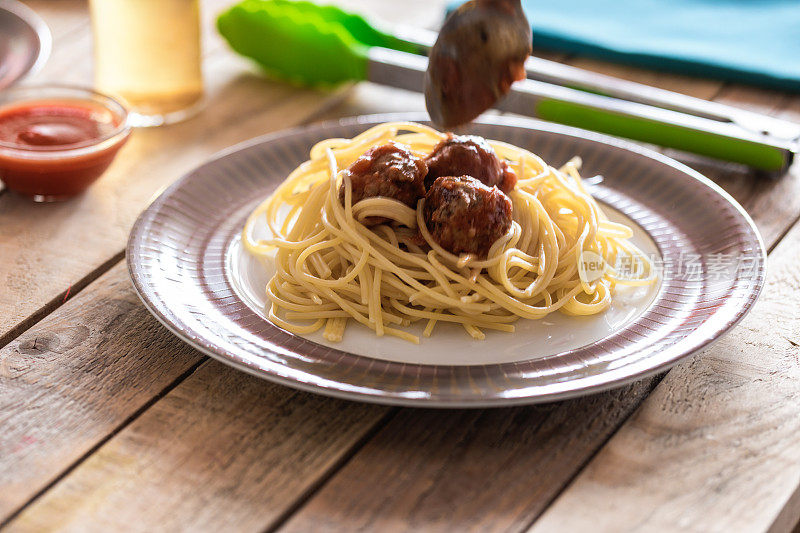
(56, 149)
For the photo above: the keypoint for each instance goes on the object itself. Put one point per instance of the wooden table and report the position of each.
(109, 422)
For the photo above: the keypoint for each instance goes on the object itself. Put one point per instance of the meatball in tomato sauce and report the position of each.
(390, 170)
(469, 155)
(465, 216)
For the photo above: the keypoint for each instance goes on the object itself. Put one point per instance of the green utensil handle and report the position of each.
(664, 127)
(750, 153)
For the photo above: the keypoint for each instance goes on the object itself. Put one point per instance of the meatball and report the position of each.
(465, 216)
(389, 170)
(469, 155)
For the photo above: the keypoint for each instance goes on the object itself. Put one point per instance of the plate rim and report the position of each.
(387, 397)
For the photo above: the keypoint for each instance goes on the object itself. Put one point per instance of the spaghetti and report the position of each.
(331, 268)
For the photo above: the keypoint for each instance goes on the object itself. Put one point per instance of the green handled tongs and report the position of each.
(323, 45)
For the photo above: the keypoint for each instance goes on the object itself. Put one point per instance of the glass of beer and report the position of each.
(148, 52)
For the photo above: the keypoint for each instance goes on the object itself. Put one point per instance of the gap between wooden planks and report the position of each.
(529, 416)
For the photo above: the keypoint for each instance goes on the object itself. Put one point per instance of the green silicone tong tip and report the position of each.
(302, 42)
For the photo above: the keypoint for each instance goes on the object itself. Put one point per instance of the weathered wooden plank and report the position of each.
(489, 470)
(715, 447)
(778, 201)
(698, 87)
(73, 379)
(223, 451)
(89, 482)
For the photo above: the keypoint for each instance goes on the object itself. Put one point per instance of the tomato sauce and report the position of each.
(52, 150)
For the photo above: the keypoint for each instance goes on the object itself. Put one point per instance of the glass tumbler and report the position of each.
(148, 52)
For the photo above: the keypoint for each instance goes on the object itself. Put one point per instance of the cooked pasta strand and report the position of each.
(331, 268)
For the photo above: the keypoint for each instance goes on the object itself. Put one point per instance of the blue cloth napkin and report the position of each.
(750, 41)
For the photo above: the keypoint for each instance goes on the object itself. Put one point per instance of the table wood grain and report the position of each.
(108, 422)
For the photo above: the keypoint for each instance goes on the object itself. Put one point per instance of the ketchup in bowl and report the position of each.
(55, 141)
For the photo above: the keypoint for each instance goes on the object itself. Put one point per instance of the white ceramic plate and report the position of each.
(450, 344)
(187, 264)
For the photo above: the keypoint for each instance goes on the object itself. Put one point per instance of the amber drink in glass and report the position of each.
(148, 52)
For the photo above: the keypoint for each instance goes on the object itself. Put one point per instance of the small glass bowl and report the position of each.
(49, 173)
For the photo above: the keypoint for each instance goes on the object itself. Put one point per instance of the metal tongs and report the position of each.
(549, 90)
